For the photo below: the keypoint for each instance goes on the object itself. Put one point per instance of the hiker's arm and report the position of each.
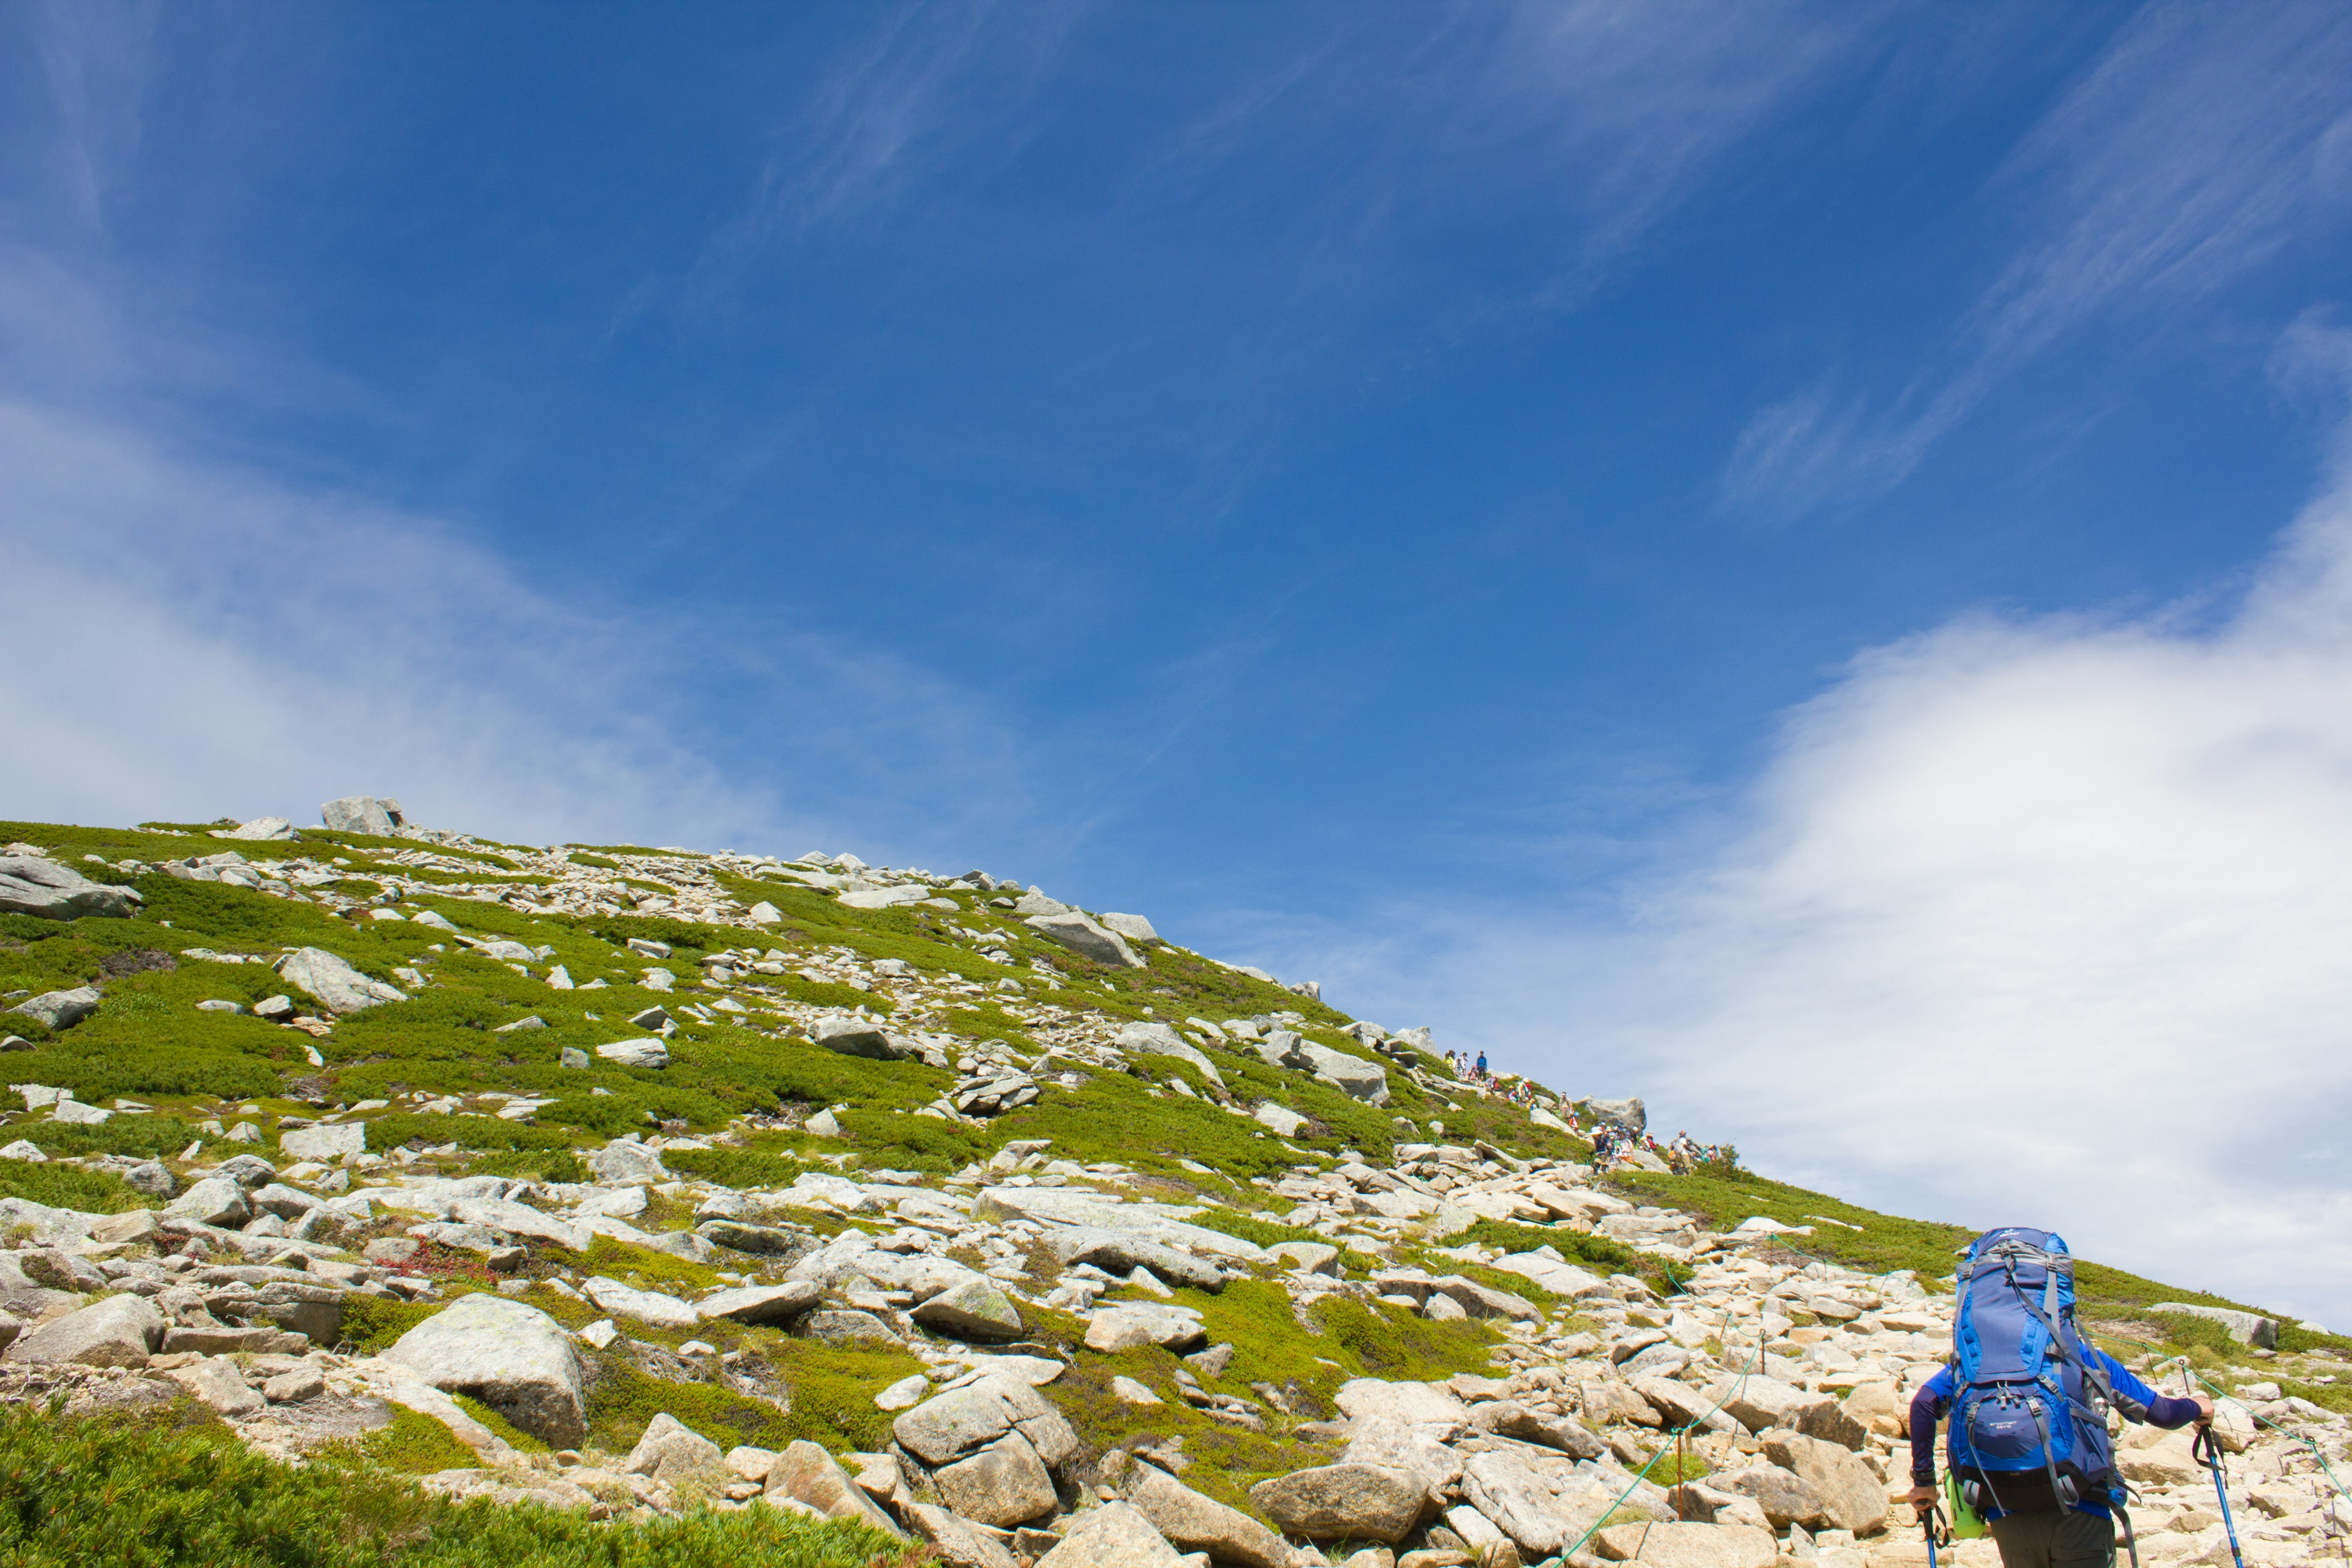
(2163, 1409)
(1926, 1408)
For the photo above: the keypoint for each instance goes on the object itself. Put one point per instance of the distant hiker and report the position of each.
(1482, 1067)
(2028, 1447)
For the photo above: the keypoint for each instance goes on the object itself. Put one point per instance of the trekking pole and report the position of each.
(2206, 1449)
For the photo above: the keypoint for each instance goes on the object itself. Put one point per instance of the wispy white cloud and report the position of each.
(200, 638)
(2203, 142)
(1606, 115)
(931, 89)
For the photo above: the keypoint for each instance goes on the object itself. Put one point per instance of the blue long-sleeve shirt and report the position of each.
(1934, 1396)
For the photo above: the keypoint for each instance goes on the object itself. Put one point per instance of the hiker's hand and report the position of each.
(1921, 1499)
(2204, 1408)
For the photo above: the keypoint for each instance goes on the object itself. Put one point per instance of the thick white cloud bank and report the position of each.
(2049, 921)
(2028, 921)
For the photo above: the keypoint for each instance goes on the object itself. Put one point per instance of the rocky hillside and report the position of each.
(828, 1212)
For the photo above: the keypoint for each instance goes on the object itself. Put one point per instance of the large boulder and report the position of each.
(959, 1543)
(1003, 1483)
(1484, 1301)
(1123, 1252)
(25, 1297)
(1135, 928)
(31, 885)
(60, 1010)
(326, 1142)
(1687, 1545)
(1522, 1502)
(646, 1306)
(1852, 1498)
(1379, 1440)
(1115, 1536)
(1509, 1419)
(760, 1240)
(1351, 1075)
(1630, 1114)
(807, 1474)
(1129, 1325)
(652, 1054)
(855, 1037)
(513, 1358)
(1682, 1405)
(943, 1430)
(762, 1304)
(1084, 937)
(358, 814)
(1360, 1502)
(1414, 1404)
(336, 985)
(1162, 1039)
(975, 1310)
(216, 1200)
(1786, 1498)
(622, 1161)
(122, 1331)
(1197, 1523)
(1761, 1403)
(2246, 1328)
(673, 1452)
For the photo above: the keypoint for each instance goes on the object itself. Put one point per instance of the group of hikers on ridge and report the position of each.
(1611, 1142)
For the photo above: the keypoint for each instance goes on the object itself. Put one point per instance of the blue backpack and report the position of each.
(2029, 1427)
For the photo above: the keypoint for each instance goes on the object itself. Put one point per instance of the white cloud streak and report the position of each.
(2203, 142)
(197, 639)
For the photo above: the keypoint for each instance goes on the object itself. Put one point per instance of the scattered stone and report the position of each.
(855, 1037)
(807, 1474)
(1116, 1535)
(337, 987)
(1353, 1502)
(648, 1054)
(1675, 1544)
(122, 1331)
(975, 1310)
(216, 1382)
(34, 885)
(959, 1543)
(61, 1009)
(1128, 1325)
(763, 1304)
(675, 1453)
(513, 1357)
(2246, 1328)
(1853, 1497)
(1197, 1523)
(326, 1142)
(1084, 937)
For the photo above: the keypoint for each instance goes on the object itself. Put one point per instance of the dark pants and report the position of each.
(2068, 1540)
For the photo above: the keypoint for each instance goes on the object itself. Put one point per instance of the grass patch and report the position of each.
(416, 1445)
(375, 1323)
(65, 1187)
(122, 1493)
(738, 1168)
(522, 1441)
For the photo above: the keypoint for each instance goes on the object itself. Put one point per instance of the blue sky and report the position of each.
(1439, 500)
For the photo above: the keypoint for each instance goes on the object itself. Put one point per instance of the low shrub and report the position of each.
(116, 1493)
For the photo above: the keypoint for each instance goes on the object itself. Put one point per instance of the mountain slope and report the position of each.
(780, 1149)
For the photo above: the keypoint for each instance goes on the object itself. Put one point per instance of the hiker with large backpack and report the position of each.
(2028, 1397)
